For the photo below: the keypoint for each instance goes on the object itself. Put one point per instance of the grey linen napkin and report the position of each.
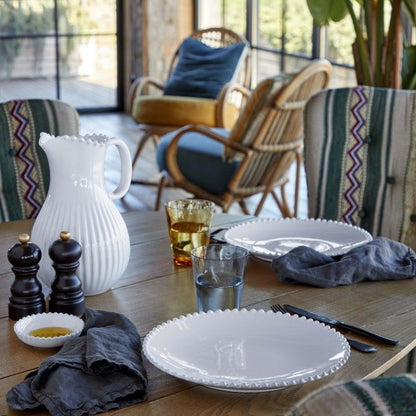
(380, 259)
(100, 370)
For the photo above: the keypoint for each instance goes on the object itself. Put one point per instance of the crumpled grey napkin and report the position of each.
(380, 259)
(100, 370)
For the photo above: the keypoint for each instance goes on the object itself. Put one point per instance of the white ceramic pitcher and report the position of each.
(78, 202)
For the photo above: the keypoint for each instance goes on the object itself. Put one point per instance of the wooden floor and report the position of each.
(121, 125)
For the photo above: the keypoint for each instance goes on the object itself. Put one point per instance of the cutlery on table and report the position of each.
(341, 325)
(359, 346)
(218, 234)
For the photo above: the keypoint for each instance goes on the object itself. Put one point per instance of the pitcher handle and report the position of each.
(126, 169)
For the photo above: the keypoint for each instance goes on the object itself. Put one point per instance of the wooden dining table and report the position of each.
(152, 290)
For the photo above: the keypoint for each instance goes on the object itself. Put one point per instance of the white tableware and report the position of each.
(270, 238)
(24, 326)
(79, 202)
(246, 350)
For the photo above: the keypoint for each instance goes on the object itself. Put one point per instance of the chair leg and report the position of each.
(286, 210)
(144, 139)
(261, 203)
(243, 207)
(282, 203)
(299, 160)
(160, 187)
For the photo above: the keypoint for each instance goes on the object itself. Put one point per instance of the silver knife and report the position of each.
(341, 325)
(360, 346)
(218, 234)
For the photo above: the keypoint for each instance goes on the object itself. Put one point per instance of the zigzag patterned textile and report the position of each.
(355, 156)
(360, 159)
(24, 171)
(382, 396)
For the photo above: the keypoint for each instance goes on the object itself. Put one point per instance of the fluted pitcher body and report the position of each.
(78, 202)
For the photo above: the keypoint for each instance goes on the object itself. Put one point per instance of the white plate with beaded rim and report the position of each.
(246, 350)
(270, 238)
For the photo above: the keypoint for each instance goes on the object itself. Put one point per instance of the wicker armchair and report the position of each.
(24, 169)
(158, 114)
(255, 155)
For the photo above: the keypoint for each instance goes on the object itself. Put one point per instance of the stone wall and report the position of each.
(153, 31)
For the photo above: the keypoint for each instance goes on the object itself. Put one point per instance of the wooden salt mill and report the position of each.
(26, 291)
(67, 295)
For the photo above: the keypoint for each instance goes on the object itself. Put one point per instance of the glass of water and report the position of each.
(218, 271)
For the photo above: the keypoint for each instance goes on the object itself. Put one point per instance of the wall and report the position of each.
(165, 24)
(152, 32)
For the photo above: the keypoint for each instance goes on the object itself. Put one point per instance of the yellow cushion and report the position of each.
(174, 111)
(180, 111)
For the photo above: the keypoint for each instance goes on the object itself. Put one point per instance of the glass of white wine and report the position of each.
(189, 223)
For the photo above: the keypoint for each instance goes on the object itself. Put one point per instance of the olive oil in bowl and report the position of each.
(50, 332)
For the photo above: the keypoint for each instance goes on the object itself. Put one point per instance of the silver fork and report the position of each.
(359, 346)
(278, 308)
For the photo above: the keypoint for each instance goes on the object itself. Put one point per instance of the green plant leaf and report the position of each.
(409, 67)
(323, 11)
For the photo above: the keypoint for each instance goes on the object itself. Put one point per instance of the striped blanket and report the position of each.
(383, 396)
(360, 159)
(24, 171)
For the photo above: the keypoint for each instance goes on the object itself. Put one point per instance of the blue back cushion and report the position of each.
(202, 71)
(200, 159)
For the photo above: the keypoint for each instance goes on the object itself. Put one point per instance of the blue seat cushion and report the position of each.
(200, 160)
(202, 71)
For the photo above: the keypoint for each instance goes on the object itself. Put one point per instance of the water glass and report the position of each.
(218, 271)
(189, 222)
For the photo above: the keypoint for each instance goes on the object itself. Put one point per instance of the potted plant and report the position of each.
(383, 56)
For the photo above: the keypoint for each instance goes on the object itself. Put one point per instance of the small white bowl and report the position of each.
(24, 326)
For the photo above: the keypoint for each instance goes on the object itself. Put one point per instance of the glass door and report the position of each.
(282, 36)
(61, 49)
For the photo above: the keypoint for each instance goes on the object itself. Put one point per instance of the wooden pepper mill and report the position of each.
(26, 291)
(67, 295)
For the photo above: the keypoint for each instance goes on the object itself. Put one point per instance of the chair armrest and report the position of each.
(172, 149)
(138, 87)
(231, 93)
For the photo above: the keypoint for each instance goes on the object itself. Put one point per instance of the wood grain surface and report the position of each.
(153, 290)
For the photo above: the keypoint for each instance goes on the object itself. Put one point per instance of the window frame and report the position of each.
(57, 37)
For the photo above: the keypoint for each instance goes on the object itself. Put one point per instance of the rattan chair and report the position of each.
(158, 114)
(255, 155)
(24, 169)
